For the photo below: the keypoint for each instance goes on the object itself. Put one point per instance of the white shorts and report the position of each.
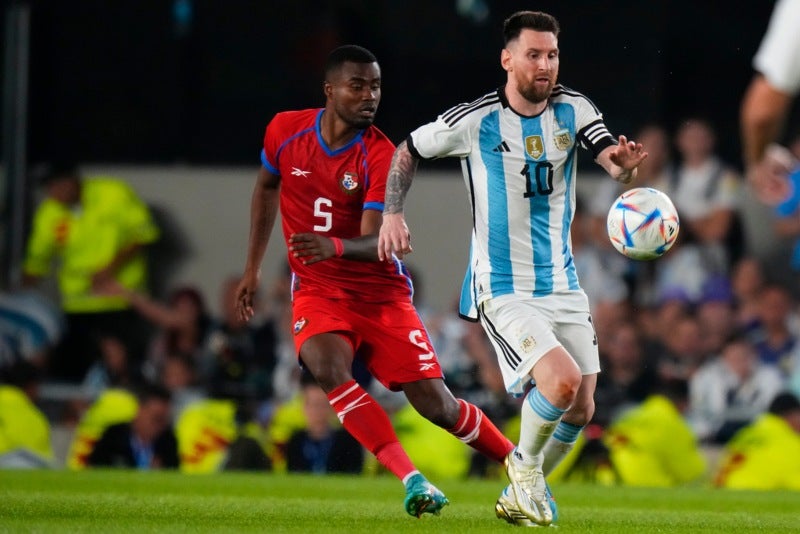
(523, 329)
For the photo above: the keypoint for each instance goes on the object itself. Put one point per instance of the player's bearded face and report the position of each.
(534, 64)
(356, 94)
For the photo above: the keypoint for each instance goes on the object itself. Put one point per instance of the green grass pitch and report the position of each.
(118, 501)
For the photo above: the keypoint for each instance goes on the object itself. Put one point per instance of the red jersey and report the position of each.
(325, 191)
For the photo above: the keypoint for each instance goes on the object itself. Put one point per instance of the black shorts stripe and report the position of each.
(512, 358)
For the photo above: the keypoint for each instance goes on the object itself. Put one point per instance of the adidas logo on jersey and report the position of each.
(502, 147)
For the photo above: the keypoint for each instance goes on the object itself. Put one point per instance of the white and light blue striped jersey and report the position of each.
(520, 174)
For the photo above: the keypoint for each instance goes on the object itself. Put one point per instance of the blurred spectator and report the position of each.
(730, 391)
(24, 429)
(681, 273)
(147, 442)
(682, 351)
(244, 353)
(184, 325)
(30, 326)
(652, 445)
(716, 314)
(114, 369)
(787, 214)
(627, 377)
(768, 99)
(603, 269)
(322, 447)
(606, 315)
(765, 455)
(706, 192)
(98, 228)
(773, 340)
(747, 281)
(656, 322)
(113, 406)
(179, 376)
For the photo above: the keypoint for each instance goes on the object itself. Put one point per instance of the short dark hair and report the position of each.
(150, 391)
(783, 403)
(532, 20)
(57, 171)
(351, 53)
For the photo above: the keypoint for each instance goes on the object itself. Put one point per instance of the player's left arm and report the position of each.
(622, 160)
(311, 248)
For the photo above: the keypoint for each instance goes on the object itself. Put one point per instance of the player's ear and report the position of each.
(327, 88)
(505, 59)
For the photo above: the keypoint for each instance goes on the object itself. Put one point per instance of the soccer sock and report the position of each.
(366, 421)
(539, 421)
(559, 445)
(477, 431)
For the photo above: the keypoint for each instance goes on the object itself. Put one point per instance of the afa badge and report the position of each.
(349, 182)
(534, 146)
(527, 344)
(562, 139)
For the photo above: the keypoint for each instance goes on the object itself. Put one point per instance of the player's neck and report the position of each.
(335, 133)
(522, 105)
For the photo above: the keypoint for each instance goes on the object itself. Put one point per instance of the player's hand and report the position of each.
(627, 155)
(311, 248)
(769, 178)
(393, 237)
(245, 294)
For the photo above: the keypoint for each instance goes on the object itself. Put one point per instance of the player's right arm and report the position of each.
(445, 137)
(394, 235)
(264, 207)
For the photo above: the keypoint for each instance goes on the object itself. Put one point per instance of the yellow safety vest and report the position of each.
(113, 406)
(22, 425)
(652, 445)
(109, 218)
(764, 455)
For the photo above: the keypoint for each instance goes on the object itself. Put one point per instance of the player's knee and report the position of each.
(565, 388)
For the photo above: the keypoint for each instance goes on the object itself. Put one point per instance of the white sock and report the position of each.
(539, 420)
(559, 445)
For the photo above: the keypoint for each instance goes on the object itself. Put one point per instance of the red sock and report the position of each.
(477, 431)
(366, 421)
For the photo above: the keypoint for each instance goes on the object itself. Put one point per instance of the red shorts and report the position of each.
(388, 337)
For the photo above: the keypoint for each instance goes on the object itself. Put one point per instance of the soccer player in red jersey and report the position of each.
(325, 169)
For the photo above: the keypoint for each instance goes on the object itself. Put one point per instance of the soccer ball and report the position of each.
(642, 223)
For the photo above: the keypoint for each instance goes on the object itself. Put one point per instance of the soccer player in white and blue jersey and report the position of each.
(518, 150)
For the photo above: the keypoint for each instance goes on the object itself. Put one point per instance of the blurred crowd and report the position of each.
(700, 350)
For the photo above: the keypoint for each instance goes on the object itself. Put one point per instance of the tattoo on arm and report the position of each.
(401, 173)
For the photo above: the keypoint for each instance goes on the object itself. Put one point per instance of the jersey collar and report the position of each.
(321, 141)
